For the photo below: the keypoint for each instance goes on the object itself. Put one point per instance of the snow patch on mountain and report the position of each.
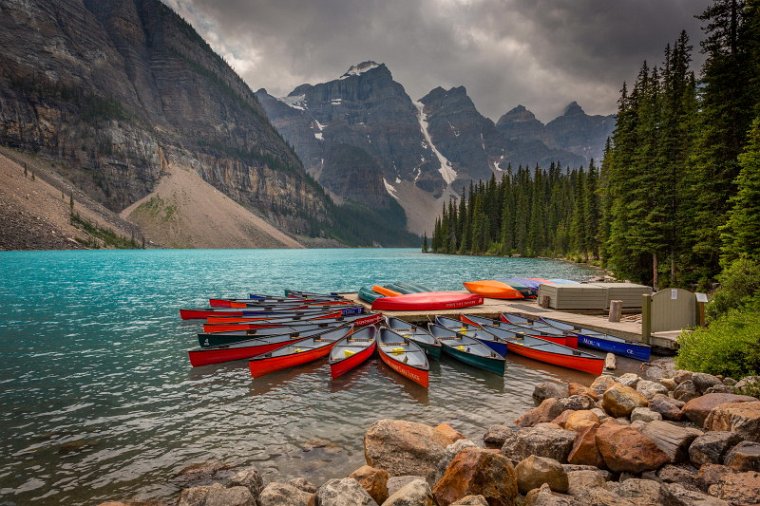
(361, 68)
(390, 189)
(447, 170)
(296, 102)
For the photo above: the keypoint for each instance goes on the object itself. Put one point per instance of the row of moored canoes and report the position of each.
(279, 332)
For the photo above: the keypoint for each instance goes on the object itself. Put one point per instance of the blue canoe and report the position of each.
(604, 342)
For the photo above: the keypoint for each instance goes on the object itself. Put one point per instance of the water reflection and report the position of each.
(412, 390)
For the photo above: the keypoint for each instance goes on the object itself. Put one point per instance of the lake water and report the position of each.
(99, 400)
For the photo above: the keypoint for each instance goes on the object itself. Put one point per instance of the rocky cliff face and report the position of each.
(117, 90)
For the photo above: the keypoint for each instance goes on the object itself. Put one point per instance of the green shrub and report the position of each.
(738, 281)
(729, 346)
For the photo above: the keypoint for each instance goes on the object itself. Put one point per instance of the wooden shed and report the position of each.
(630, 293)
(590, 297)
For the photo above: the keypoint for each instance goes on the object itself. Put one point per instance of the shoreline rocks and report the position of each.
(667, 437)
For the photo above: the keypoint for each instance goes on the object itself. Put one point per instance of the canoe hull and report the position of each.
(427, 301)
(265, 366)
(493, 289)
(419, 376)
(485, 363)
(209, 356)
(338, 369)
(623, 349)
(431, 350)
(583, 364)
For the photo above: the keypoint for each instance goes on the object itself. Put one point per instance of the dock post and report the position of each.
(646, 319)
(616, 310)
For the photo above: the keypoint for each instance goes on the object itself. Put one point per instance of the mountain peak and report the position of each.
(573, 108)
(361, 68)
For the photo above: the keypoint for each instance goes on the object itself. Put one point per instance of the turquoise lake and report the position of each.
(99, 400)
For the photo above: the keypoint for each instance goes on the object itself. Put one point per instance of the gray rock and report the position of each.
(496, 435)
(748, 386)
(600, 413)
(668, 383)
(580, 481)
(659, 368)
(216, 495)
(704, 381)
(676, 494)
(572, 468)
(686, 391)
(645, 415)
(638, 491)
(203, 473)
(345, 492)
(669, 408)
(543, 440)
(744, 457)
(683, 474)
(602, 496)
(415, 493)
(547, 390)
(730, 382)
(650, 388)
(628, 379)
(680, 376)
(576, 403)
(719, 389)
(283, 494)
(711, 447)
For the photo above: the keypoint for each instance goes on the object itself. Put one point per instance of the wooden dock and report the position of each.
(491, 308)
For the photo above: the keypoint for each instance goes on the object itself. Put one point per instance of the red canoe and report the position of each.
(557, 337)
(352, 351)
(548, 352)
(357, 320)
(241, 303)
(299, 353)
(244, 349)
(403, 356)
(427, 301)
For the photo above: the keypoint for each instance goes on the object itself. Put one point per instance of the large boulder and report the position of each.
(477, 471)
(283, 494)
(742, 417)
(402, 447)
(620, 400)
(669, 408)
(699, 408)
(738, 488)
(547, 390)
(415, 493)
(345, 492)
(543, 440)
(672, 439)
(374, 481)
(625, 449)
(584, 450)
(450, 453)
(711, 447)
(216, 495)
(744, 457)
(534, 471)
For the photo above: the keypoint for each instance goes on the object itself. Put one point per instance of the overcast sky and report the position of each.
(539, 53)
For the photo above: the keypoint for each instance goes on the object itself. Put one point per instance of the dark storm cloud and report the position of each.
(541, 53)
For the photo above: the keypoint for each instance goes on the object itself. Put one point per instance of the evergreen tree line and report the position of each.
(677, 197)
(554, 212)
